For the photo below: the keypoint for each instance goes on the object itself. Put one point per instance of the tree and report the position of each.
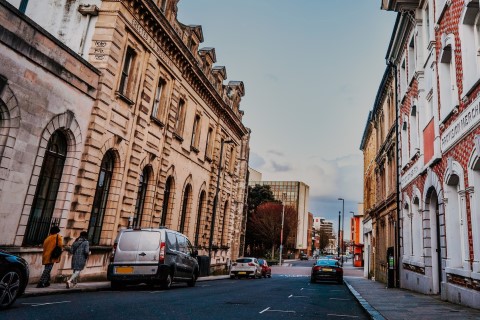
(265, 225)
(324, 239)
(257, 195)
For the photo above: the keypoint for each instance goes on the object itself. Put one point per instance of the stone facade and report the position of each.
(380, 178)
(162, 121)
(435, 50)
(44, 88)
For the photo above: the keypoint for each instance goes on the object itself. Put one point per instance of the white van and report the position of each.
(152, 256)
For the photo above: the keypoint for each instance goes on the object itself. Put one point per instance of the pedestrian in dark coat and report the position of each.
(80, 250)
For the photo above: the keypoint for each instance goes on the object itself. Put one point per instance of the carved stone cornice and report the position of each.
(156, 27)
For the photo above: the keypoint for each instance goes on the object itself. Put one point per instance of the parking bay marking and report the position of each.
(341, 315)
(34, 304)
(343, 299)
(285, 311)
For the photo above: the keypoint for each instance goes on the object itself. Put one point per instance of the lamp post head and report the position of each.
(341, 199)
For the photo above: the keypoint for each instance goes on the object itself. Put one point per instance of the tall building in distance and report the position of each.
(295, 194)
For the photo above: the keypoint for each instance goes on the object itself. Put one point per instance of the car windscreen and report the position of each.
(244, 260)
(325, 262)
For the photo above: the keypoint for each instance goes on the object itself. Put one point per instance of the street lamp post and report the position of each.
(215, 200)
(338, 240)
(352, 231)
(281, 231)
(343, 225)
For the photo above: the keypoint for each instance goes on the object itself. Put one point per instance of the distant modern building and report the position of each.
(295, 194)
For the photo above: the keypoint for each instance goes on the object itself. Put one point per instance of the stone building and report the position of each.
(435, 52)
(380, 181)
(162, 121)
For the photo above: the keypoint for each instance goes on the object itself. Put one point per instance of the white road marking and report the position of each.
(301, 289)
(341, 315)
(298, 296)
(33, 304)
(290, 296)
(284, 311)
(264, 310)
(340, 299)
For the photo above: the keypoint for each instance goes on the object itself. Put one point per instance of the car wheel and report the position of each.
(10, 282)
(340, 281)
(312, 280)
(269, 275)
(116, 285)
(192, 282)
(167, 283)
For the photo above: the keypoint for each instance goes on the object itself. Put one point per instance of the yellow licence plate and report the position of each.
(326, 269)
(242, 272)
(124, 270)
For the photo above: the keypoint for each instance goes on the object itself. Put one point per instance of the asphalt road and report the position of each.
(287, 295)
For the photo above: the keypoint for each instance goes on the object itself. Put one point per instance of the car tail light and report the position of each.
(161, 257)
(251, 264)
(317, 268)
(112, 255)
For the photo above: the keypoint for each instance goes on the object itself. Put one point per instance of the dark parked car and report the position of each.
(13, 278)
(266, 270)
(303, 256)
(327, 269)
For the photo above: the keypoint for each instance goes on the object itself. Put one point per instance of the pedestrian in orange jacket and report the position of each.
(53, 240)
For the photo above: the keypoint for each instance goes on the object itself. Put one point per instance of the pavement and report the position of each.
(377, 300)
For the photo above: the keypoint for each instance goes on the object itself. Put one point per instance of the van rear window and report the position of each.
(244, 260)
(139, 241)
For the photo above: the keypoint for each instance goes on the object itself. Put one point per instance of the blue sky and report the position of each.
(311, 70)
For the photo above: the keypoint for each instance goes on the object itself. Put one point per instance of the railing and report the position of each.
(38, 229)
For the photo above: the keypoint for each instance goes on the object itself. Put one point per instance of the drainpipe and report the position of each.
(397, 219)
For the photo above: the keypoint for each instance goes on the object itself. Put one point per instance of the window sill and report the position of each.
(208, 159)
(157, 121)
(124, 98)
(459, 272)
(450, 114)
(192, 148)
(177, 137)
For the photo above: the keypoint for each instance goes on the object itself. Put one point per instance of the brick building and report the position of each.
(434, 50)
(152, 140)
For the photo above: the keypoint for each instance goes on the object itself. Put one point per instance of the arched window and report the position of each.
(447, 77)
(187, 195)
(417, 230)
(166, 201)
(201, 204)
(100, 199)
(407, 232)
(142, 191)
(43, 204)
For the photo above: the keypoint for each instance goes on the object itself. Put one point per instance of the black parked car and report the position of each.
(13, 278)
(327, 269)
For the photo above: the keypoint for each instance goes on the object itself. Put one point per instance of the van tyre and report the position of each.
(167, 283)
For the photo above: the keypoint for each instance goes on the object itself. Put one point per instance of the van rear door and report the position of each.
(140, 250)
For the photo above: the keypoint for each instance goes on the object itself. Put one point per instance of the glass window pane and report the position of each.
(150, 241)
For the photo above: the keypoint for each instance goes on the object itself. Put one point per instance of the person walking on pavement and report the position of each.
(80, 250)
(49, 246)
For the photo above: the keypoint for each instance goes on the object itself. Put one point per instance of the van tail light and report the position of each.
(161, 257)
(251, 264)
(317, 268)
(114, 249)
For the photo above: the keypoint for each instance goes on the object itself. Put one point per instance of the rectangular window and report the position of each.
(196, 132)
(126, 71)
(209, 144)
(158, 98)
(179, 123)
(232, 160)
